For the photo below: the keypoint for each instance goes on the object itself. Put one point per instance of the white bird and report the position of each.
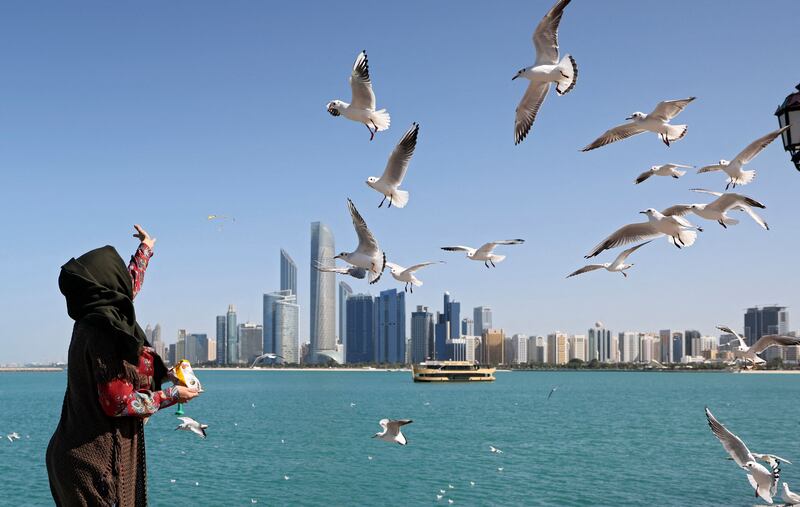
(500, 469)
(442, 491)
(657, 121)
(190, 424)
(406, 275)
(556, 387)
(486, 252)
(450, 501)
(354, 271)
(285, 477)
(253, 500)
(391, 430)
(663, 170)
(733, 168)
(618, 265)
(717, 210)
(391, 179)
(751, 353)
(253, 405)
(789, 497)
(439, 496)
(495, 450)
(368, 254)
(172, 481)
(765, 482)
(369, 458)
(450, 486)
(546, 70)
(13, 436)
(352, 404)
(676, 228)
(362, 106)
(471, 483)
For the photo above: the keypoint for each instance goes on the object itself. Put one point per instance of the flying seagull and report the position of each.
(657, 121)
(663, 170)
(751, 353)
(486, 252)
(765, 482)
(618, 265)
(189, 424)
(13, 436)
(676, 228)
(546, 70)
(354, 271)
(368, 254)
(391, 430)
(556, 387)
(362, 107)
(789, 497)
(717, 209)
(406, 275)
(733, 168)
(396, 169)
(495, 450)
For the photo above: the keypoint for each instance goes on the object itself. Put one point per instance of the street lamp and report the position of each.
(789, 114)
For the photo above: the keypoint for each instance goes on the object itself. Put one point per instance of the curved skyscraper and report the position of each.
(322, 327)
(288, 273)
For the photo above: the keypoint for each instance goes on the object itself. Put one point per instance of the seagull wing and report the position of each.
(703, 191)
(489, 247)
(356, 272)
(419, 266)
(642, 177)
(726, 329)
(361, 85)
(669, 109)
(545, 37)
(332, 269)
(366, 241)
(711, 168)
(755, 216)
(754, 148)
(617, 133)
(528, 108)
(625, 253)
(682, 166)
(586, 269)
(733, 444)
(187, 420)
(401, 155)
(459, 248)
(626, 234)
(769, 340)
(401, 422)
(383, 423)
(678, 210)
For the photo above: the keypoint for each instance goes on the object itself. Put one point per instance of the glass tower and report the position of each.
(221, 339)
(232, 339)
(360, 345)
(390, 321)
(288, 273)
(322, 325)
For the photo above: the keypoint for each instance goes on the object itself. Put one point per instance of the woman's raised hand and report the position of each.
(185, 394)
(145, 238)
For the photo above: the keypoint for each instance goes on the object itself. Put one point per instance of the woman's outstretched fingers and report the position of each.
(143, 236)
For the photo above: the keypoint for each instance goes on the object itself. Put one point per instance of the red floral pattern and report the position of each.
(118, 398)
(138, 266)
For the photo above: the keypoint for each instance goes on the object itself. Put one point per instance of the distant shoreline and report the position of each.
(32, 369)
(771, 372)
(382, 370)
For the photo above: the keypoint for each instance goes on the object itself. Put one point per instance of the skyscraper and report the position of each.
(222, 339)
(467, 327)
(157, 342)
(557, 348)
(519, 344)
(180, 345)
(281, 325)
(390, 322)
(578, 347)
(492, 346)
(629, 347)
(482, 318)
(452, 313)
(288, 273)
(251, 342)
(232, 339)
(421, 334)
(677, 346)
(688, 341)
(322, 313)
(345, 291)
(760, 321)
(360, 334)
(665, 336)
(196, 348)
(599, 344)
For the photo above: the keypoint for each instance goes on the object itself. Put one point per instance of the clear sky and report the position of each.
(160, 113)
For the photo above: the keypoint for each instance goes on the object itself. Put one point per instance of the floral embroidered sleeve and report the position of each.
(119, 399)
(138, 266)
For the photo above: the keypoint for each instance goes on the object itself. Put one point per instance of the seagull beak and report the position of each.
(515, 77)
(629, 118)
(643, 212)
(337, 256)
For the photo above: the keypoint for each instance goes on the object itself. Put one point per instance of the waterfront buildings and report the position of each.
(467, 327)
(599, 344)
(557, 352)
(345, 291)
(222, 341)
(390, 323)
(281, 325)
(578, 347)
(251, 342)
(519, 347)
(232, 338)
(421, 334)
(360, 333)
(288, 273)
(492, 347)
(322, 312)
(688, 341)
(665, 337)
(196, 348)
(482, 318)
(629, 347)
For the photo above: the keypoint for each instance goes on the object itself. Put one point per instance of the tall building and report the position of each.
(222, 339)
(471, 348)
(537, 349)
(492, 347)
(390, 327)
(557, 346)
(322, 325)
(180, 345)
(482, 318)
(172, 353)
(467, 327)
(677, 346)
(629, 347)
(578, 347)
(441, 335)
(421, 334)
(232, 338)
(360, 334)
(288, 273)
(281, 325)
(519, 346)
(345, 291)
(665, 337)
(196, 348)
(646, 341)
(688, 340)
(251, 342)
(212, 351)
(599, 344)
(760, 321)
(452, 313)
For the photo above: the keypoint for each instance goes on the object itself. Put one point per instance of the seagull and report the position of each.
(285, 477)
(172, 481)
(439, 496)
(556, 387)
(441, 491)
(368, 254)
(253, 405)
(253, 500)
(763, 343)
(354, 271)
(495, 450)
(450, 486)
(450, 501)
(362, 107)
(717, 209)
(13, 436)
(676, 228)
(657, 121)
(546, 70)
(765, 482)
(352, 404)
(486, 252)
(369, 458)
(396, 169)
(391, 430)
(471, 483)
(789, 497)
(499, 469)
(406, 275)
(733, 168)
(190, 424)
(617, 266)
(663, 170)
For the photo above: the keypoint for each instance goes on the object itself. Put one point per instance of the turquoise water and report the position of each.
(604, 438)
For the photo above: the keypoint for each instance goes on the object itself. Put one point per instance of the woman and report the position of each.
(96, 455)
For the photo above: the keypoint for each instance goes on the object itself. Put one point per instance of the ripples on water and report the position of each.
(604, 438)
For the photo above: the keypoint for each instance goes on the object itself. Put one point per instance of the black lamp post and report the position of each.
(789, 114)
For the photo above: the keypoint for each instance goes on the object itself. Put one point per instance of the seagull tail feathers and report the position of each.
(400, 198)
(687, 238)
(744, 179)
(676, 132)
(498, 258)
(569, 69)
(381, 119)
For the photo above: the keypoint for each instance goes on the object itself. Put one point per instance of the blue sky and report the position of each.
(162, 113)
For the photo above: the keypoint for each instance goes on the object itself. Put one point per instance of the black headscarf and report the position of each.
(98, 286)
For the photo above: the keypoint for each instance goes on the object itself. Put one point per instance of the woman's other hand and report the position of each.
(185, 394)
(145, 238)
